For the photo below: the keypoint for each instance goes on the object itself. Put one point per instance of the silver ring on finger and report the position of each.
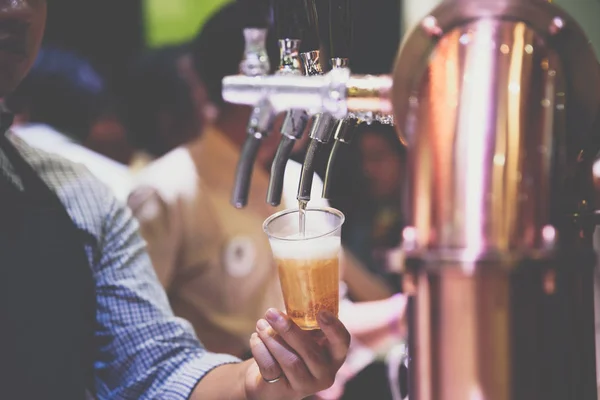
(272, 380)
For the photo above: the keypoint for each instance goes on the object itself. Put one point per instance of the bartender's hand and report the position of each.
(297, 363)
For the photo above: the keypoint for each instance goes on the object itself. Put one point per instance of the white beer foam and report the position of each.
(327, 247)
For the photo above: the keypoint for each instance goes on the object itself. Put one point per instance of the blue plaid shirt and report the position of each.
(143, 350)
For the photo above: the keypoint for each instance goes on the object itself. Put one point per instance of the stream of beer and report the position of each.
(302, 217)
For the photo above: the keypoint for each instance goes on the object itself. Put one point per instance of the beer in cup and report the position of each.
(308, 263)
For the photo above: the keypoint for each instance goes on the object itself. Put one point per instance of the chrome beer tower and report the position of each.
(299, 29)
(296, 120)
(289, 25)
(497, 101)
(295, 26)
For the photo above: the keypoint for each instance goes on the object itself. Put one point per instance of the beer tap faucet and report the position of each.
(336, 92)
(296, 119)
(324, 124)
(289, 23)
(255, 63)
(340, 14)
(321, 132)
(343, 132)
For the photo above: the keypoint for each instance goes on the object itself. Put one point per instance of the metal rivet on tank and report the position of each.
(548, 237)
(556, 25)
(431, 27)
(409, 238)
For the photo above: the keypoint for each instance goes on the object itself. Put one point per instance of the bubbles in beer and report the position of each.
(309, 276)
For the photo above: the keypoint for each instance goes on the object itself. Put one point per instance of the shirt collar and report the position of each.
(41, 134)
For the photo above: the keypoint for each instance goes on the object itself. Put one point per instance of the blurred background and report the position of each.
(110, 34)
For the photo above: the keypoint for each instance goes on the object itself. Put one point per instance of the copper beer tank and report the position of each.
(497, 102)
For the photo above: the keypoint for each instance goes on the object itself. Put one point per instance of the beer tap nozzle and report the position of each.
(259, 127)
(321, 132)
(255, 63)
(343, 135)
(292, 129)
(324, 126)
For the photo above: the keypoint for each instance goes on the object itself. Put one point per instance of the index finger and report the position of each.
(299, 342)
(337, 335)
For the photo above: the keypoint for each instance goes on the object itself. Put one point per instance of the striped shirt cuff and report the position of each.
(184, 379)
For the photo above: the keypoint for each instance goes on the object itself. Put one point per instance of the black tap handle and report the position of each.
(311, 40)
(257, 13)
(290, 18)
(318, 11)
(340, 28)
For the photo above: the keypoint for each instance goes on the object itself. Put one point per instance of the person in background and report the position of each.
(374, 230)
(109, 137)
(83, 314)
(369, 194)
(56, 108)
(162, 106)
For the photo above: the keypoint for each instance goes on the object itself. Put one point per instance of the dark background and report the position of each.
(110, 32)
(106, 32)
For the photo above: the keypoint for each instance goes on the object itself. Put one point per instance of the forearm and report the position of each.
(362, 284)
(226, 382)
(375, 320)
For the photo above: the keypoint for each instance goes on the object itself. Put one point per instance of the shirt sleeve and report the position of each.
(144, 351)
